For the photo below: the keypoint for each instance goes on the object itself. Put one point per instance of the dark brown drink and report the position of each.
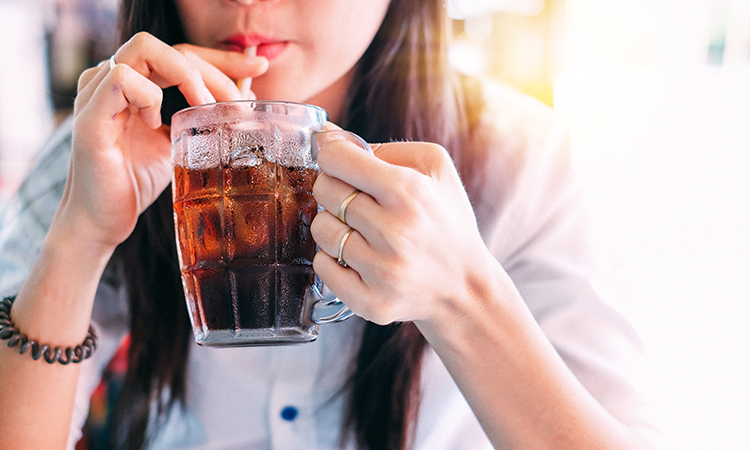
(243, 206)
(246, 249)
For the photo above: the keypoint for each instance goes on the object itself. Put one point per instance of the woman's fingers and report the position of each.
(218, 84)
(328, 233)
(234, 65)
(120, 145)
(111, 91)
(93, 75)
(331, 192)
(414, 172)
(90, 80)
(360, 293)
(202, 75)
(135, 76)
(220, 69)
(414, 227)
(124, 87)
(398, 166)
(165, 66)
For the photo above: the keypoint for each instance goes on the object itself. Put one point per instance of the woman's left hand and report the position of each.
(417, 255)
(415, 242)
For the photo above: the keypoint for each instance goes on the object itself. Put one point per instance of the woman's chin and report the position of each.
(265, 90)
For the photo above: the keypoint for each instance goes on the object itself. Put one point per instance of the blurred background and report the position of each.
(657, 97)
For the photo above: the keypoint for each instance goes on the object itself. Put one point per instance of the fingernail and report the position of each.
(330, 126)
(321, 138)
(326, 136)
(207, 96)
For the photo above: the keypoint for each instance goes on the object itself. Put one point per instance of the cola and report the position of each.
(246, 252)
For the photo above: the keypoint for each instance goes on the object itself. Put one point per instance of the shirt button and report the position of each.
(289, 413)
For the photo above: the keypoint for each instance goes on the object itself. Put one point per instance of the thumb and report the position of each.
(427, 158)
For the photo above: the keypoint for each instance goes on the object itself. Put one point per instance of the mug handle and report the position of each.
(328, 308)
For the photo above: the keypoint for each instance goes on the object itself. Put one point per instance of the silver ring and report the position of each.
(112, 62)
(345, 203)
(341, 261)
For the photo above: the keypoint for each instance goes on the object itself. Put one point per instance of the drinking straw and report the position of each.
(244, 84)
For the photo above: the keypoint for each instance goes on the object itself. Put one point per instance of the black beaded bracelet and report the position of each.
(14, 337)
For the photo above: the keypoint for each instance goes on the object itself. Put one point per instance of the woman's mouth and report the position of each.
(267, 47)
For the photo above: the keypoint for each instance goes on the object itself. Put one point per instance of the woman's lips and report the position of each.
(267, 47)
(271, 51)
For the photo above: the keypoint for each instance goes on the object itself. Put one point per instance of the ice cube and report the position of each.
(203, 147)
(204, 230)
(247, 147)
(250, 227)
(294, 149)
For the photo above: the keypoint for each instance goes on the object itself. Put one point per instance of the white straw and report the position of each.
(244, 84)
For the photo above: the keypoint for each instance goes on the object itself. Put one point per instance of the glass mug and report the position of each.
(243, 205)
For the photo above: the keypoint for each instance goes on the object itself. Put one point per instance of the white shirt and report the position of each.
(531, 216)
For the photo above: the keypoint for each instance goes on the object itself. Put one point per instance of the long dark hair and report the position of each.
(404, 90)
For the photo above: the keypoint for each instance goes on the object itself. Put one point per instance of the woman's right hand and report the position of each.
(121, 158)
(120, 163)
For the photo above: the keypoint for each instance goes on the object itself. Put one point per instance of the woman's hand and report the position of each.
(120, 163)
(121, 158)
(417, 256)
(416, 241)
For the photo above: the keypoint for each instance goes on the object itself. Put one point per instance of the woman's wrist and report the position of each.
(478, 299)
(54, 306)
(74, 226)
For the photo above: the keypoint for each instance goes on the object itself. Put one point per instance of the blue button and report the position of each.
(289, 413)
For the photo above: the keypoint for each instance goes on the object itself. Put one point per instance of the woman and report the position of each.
(482, 329)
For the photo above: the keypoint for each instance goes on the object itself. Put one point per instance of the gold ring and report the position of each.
(341, 261)
(345, 203)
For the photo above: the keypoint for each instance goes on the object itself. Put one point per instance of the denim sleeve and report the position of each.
(23, 231)
(29, 216)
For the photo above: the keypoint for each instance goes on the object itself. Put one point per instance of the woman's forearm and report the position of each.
(520, 389)
(53, 308)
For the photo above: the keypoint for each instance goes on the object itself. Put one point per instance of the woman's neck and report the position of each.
(333, 98)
